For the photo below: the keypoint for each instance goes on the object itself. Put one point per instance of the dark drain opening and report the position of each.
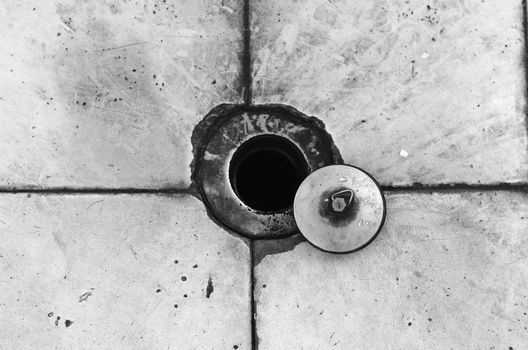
(266, 171)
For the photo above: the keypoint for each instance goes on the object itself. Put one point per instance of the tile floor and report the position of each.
(99, 224)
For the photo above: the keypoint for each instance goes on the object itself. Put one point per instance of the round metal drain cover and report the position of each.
(339, 208)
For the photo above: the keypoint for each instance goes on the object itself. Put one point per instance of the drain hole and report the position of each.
(266, 172)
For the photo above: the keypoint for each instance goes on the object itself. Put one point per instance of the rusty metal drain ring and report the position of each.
(241, 125)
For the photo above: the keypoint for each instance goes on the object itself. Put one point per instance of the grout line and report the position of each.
(457, 187)
(254, 339)
(167, 191)
(246, 54)
(96, 190)
(525, 57)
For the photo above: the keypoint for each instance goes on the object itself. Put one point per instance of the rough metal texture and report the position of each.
(448, 271)
(226, 129)
(411, 91)
(106, 94)
(120, 272)
(351, 225)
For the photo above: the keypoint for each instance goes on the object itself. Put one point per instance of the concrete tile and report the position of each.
(448, 271)
(411, 91)
(128, 271)
(106, 94)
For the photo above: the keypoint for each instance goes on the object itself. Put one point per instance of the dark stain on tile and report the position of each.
(210, 288)
(275, 246)
(84, 296)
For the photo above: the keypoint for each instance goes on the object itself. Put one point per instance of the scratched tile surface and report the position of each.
(411, 91)
(120, 272)
(448, 271)
(106, 93)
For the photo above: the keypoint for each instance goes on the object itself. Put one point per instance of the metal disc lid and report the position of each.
(339, 208)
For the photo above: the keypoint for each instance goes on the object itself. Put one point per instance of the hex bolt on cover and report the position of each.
(339, 208)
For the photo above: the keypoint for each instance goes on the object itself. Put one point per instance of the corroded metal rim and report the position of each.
(232, 129)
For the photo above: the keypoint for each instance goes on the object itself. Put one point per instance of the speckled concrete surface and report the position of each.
(106, 93)
(412, 91)
(120, 272)
(448, 271)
